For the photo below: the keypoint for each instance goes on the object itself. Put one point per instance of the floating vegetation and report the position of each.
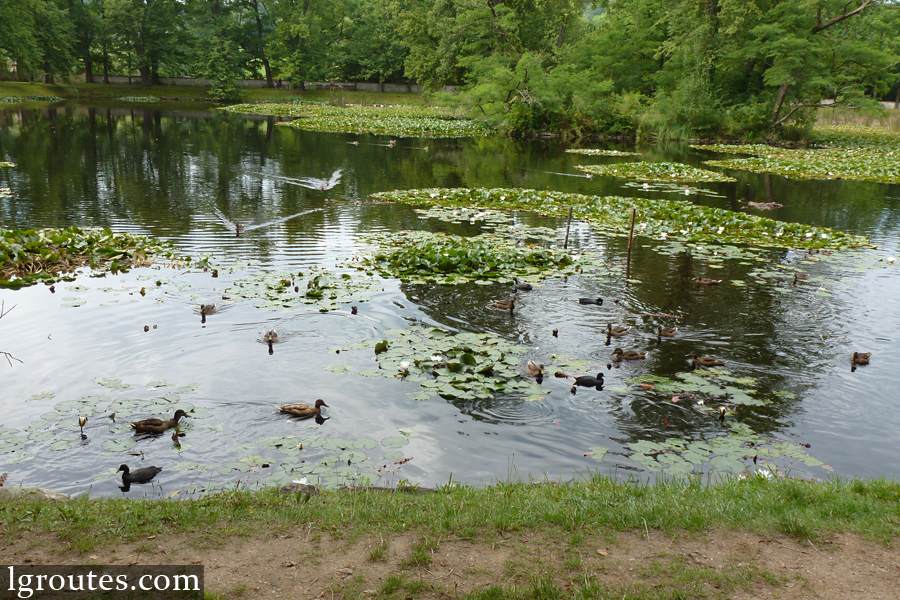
(661, 171)
(421, 256)
(316, 288)
(672, 188)
(600, 152)
(139, 99)
(735, 453)
(464, 366)
(660, 219)
(7, 165)
(403, 120)
(18, 99)
(698, 386)
(855, 153)
(6, 193)
(30, 256)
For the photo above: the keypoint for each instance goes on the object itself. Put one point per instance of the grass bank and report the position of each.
(99, 91)
(590, 539)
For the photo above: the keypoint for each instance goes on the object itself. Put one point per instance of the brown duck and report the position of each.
(157, 425)
(304, 411)
(705, 281)
(628, 354)
(666, 331)
(616, 331)
(860, 358)
(509, 305)
(705, 361)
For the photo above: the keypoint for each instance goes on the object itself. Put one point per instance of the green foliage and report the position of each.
(658, 171)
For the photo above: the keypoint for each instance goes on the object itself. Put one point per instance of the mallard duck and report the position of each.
(597, 301)
(518, 285)
(628, 354)
(271, 337)
(509, 305)
(666, 331)
(721, 414)
(533, 369)
(556, 333)
(860, 358)
(801, 276)
(354, 310)
(616, 331)
(157, 425)
(140, 476)
(207, 309)
(304, 411)
(590, 380)
(238, 228)
(705, 281)
(705, 361)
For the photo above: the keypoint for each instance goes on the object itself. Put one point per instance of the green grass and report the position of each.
(804, 510)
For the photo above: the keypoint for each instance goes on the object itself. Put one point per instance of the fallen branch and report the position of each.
(9, 357)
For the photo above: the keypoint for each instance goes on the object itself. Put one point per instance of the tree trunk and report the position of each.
(145, 74)
(897, 100)
(779, 101)
(262, 47)
(105, 66)
(48, 77)
(88, 68)
(154, 72)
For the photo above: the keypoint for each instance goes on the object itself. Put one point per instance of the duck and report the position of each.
(597, 301)
(616, 331)
(271, 337)
(722, 414)
(304, 411)
(509, 305)
(628, 354)
(860, 358)
(139, 476)
(666, 331)
(533, 369)
(705, 281)
(238, 228)
(208, 309)
(518, 285)
(705, 361)
(157, 425)
(801, 276)
(590, 380)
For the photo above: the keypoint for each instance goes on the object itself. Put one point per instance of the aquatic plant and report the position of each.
(7, 165)
(600, 152)
(18, 99)
(402, 120)
(660, 219)
(139, 99)
(32, 255)
(855, 153)
(316, 288)
(660, 171)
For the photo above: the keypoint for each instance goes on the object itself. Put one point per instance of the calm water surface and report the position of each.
(171, 173)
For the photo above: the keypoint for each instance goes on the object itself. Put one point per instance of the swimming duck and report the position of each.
(207, 309)
(157, 425)
(238, 228)
(616, 331)
(666, 331)
(598, 301)
(518, 285)
(590, 380)
(705, 281)
(860, 358)
(533, 369)
(801, 276)
(304, 411)
(721, 414)
(509, 305)
(270, 337)
(140, 476)
(705, 361)
(628, 354)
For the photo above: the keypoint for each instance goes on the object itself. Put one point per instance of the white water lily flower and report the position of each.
(301, 481)
(891, 259)
(503, 197)
(779, 234)
(824, 236)
(643, 226)
(700, 403)
(663, 235)
(809, 235)
(433, 195)
(404, 366)
(721, 229)
(437, 358)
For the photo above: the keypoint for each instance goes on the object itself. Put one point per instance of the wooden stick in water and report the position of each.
(568, 224)
(630, 234)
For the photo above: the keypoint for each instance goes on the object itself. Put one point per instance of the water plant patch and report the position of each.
(600, 152)
(403, 120)
(314, 288)
(660, 219)
(33, 255)
(661, 171)
(147, 99)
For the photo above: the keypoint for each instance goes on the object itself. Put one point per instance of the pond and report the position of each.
(135, 344)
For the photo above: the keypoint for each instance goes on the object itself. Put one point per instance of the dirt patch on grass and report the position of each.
(310, 564)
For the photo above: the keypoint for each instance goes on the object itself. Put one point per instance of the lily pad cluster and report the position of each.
(600, 152)
(402, 120)
(18, 99)
(420, 256)
(661, 171)
(733, 454)
(855, 153)
(660, 219)
(148, 99)
(316, 288)
(697, 387)
(33, 255)
(464, 365)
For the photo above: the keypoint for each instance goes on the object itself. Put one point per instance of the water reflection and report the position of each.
(197, 176)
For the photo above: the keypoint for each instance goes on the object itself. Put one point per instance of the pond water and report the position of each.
(185, 172)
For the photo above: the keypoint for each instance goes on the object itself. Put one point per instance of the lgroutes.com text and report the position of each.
(162, 580)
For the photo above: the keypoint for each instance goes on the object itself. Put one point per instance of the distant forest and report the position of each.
(738, 68)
